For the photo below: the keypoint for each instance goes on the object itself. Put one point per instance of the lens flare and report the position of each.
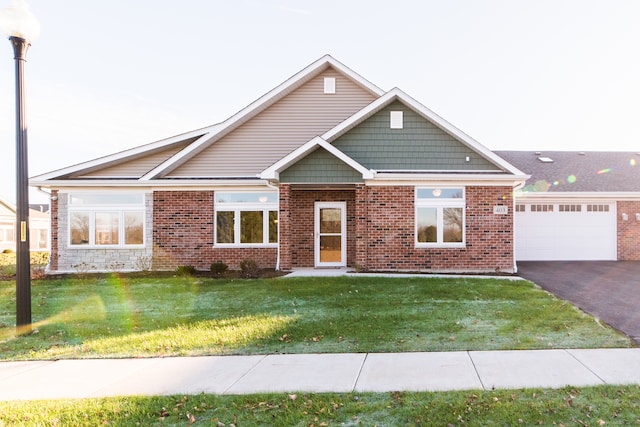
(632, 162)
(605, 170)
(571, 179)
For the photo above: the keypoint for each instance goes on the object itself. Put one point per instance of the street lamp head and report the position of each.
(18, 21)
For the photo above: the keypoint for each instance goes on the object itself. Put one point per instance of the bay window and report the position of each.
(106, 219)
(246, 219)
(439, 217)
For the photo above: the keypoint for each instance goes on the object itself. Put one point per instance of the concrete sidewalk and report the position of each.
(376, 372)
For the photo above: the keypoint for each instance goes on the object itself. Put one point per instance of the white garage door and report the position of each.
(565, 231)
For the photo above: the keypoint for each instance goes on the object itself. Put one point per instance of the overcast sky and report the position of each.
(108, 75)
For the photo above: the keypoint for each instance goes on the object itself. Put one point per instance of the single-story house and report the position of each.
(38, 227)
(325, 170)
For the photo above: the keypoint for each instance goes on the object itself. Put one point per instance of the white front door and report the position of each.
(330, 234)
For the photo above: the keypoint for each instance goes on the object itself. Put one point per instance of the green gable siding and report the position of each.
(419, 145)
(320, 167)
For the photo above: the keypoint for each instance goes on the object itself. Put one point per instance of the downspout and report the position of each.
(44, 192)
(277, 268)
(513, 210)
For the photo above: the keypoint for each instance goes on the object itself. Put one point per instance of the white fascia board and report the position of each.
(273, 171)
(465, 179)
(457, 133)
(262, 103)
(160, 183)
(360, 116)
(576, 195)
(397, 94)
(122, 154)
(182, 154)
(366, 173)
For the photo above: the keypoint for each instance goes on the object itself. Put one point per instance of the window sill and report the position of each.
(244, 245)
(440, 245)
(77, 247)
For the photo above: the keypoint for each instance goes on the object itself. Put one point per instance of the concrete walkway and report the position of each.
(375, 372)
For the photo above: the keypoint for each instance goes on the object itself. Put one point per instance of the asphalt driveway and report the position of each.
(608, 290)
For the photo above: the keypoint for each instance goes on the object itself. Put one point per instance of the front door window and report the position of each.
(330, 235)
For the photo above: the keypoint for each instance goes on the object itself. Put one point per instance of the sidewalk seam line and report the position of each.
(475, 368)
(355, 384)
(226, 390)
(567, 350)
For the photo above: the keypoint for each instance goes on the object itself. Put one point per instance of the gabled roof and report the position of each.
(577, 171)
(272, 173)
(388, 98)
(209, 135)
(127, 155)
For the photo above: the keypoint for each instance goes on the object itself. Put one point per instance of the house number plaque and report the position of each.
(501, 210)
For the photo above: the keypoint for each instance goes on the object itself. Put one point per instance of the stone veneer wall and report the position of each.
(628, 231)
(183, 234)
(87, 259)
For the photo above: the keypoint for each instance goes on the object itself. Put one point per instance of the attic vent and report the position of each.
(545, 159)
(396, 120)
(329, 85)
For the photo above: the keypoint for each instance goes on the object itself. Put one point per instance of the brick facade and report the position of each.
(297, 216)
(381, 230)
(387, 242)
(628, 231)
(183, 234)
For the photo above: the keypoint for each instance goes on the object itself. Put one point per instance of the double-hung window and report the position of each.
(246, 219)
(106, 219)
(439, 218)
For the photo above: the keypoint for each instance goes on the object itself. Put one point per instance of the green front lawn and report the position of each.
(588, 406)
(165, 316)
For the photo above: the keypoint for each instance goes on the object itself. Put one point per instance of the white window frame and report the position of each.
(237, 208)
(440, 204)
(91, 209)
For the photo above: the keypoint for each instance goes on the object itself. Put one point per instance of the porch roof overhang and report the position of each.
(156, 183)
(272, 173)
(446, 178)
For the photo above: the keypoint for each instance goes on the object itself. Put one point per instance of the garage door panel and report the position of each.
(554, 235)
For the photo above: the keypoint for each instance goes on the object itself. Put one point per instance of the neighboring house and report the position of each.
(577, 205)
(325, 170)
(38, 228)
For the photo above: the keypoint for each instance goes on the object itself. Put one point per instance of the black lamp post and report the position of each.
(22, 28)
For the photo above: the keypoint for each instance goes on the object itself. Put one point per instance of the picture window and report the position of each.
(440, 217)
(246, 219)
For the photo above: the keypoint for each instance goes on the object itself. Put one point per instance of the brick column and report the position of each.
(284, 219)
(361, 227)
